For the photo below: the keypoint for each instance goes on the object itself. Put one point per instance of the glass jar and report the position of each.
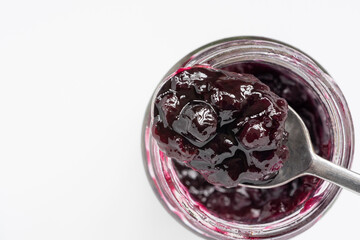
(336, 116)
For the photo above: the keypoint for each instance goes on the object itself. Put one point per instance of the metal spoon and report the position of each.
(303, 161)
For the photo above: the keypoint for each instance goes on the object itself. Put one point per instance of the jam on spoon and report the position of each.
(229, 127)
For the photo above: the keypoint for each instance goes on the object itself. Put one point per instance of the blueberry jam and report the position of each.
(227, 126)
(258, 206)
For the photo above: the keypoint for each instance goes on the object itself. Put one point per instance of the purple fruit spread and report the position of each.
(225, 127)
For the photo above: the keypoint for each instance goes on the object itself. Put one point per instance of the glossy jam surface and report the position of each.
(227, 126)
(258, 206)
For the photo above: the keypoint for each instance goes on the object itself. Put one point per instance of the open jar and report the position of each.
(242, 213)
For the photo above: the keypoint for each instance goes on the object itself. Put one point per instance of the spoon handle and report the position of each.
(340, 176)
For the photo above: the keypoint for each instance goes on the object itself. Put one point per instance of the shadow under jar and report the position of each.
(242, 213)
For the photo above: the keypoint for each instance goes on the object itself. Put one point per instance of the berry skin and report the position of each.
(197, 122)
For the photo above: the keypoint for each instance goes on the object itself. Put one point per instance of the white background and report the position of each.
(75, 78)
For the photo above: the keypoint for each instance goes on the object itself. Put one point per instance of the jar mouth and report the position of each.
(241, 49)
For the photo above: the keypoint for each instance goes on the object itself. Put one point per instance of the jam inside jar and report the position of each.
(241, 213)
